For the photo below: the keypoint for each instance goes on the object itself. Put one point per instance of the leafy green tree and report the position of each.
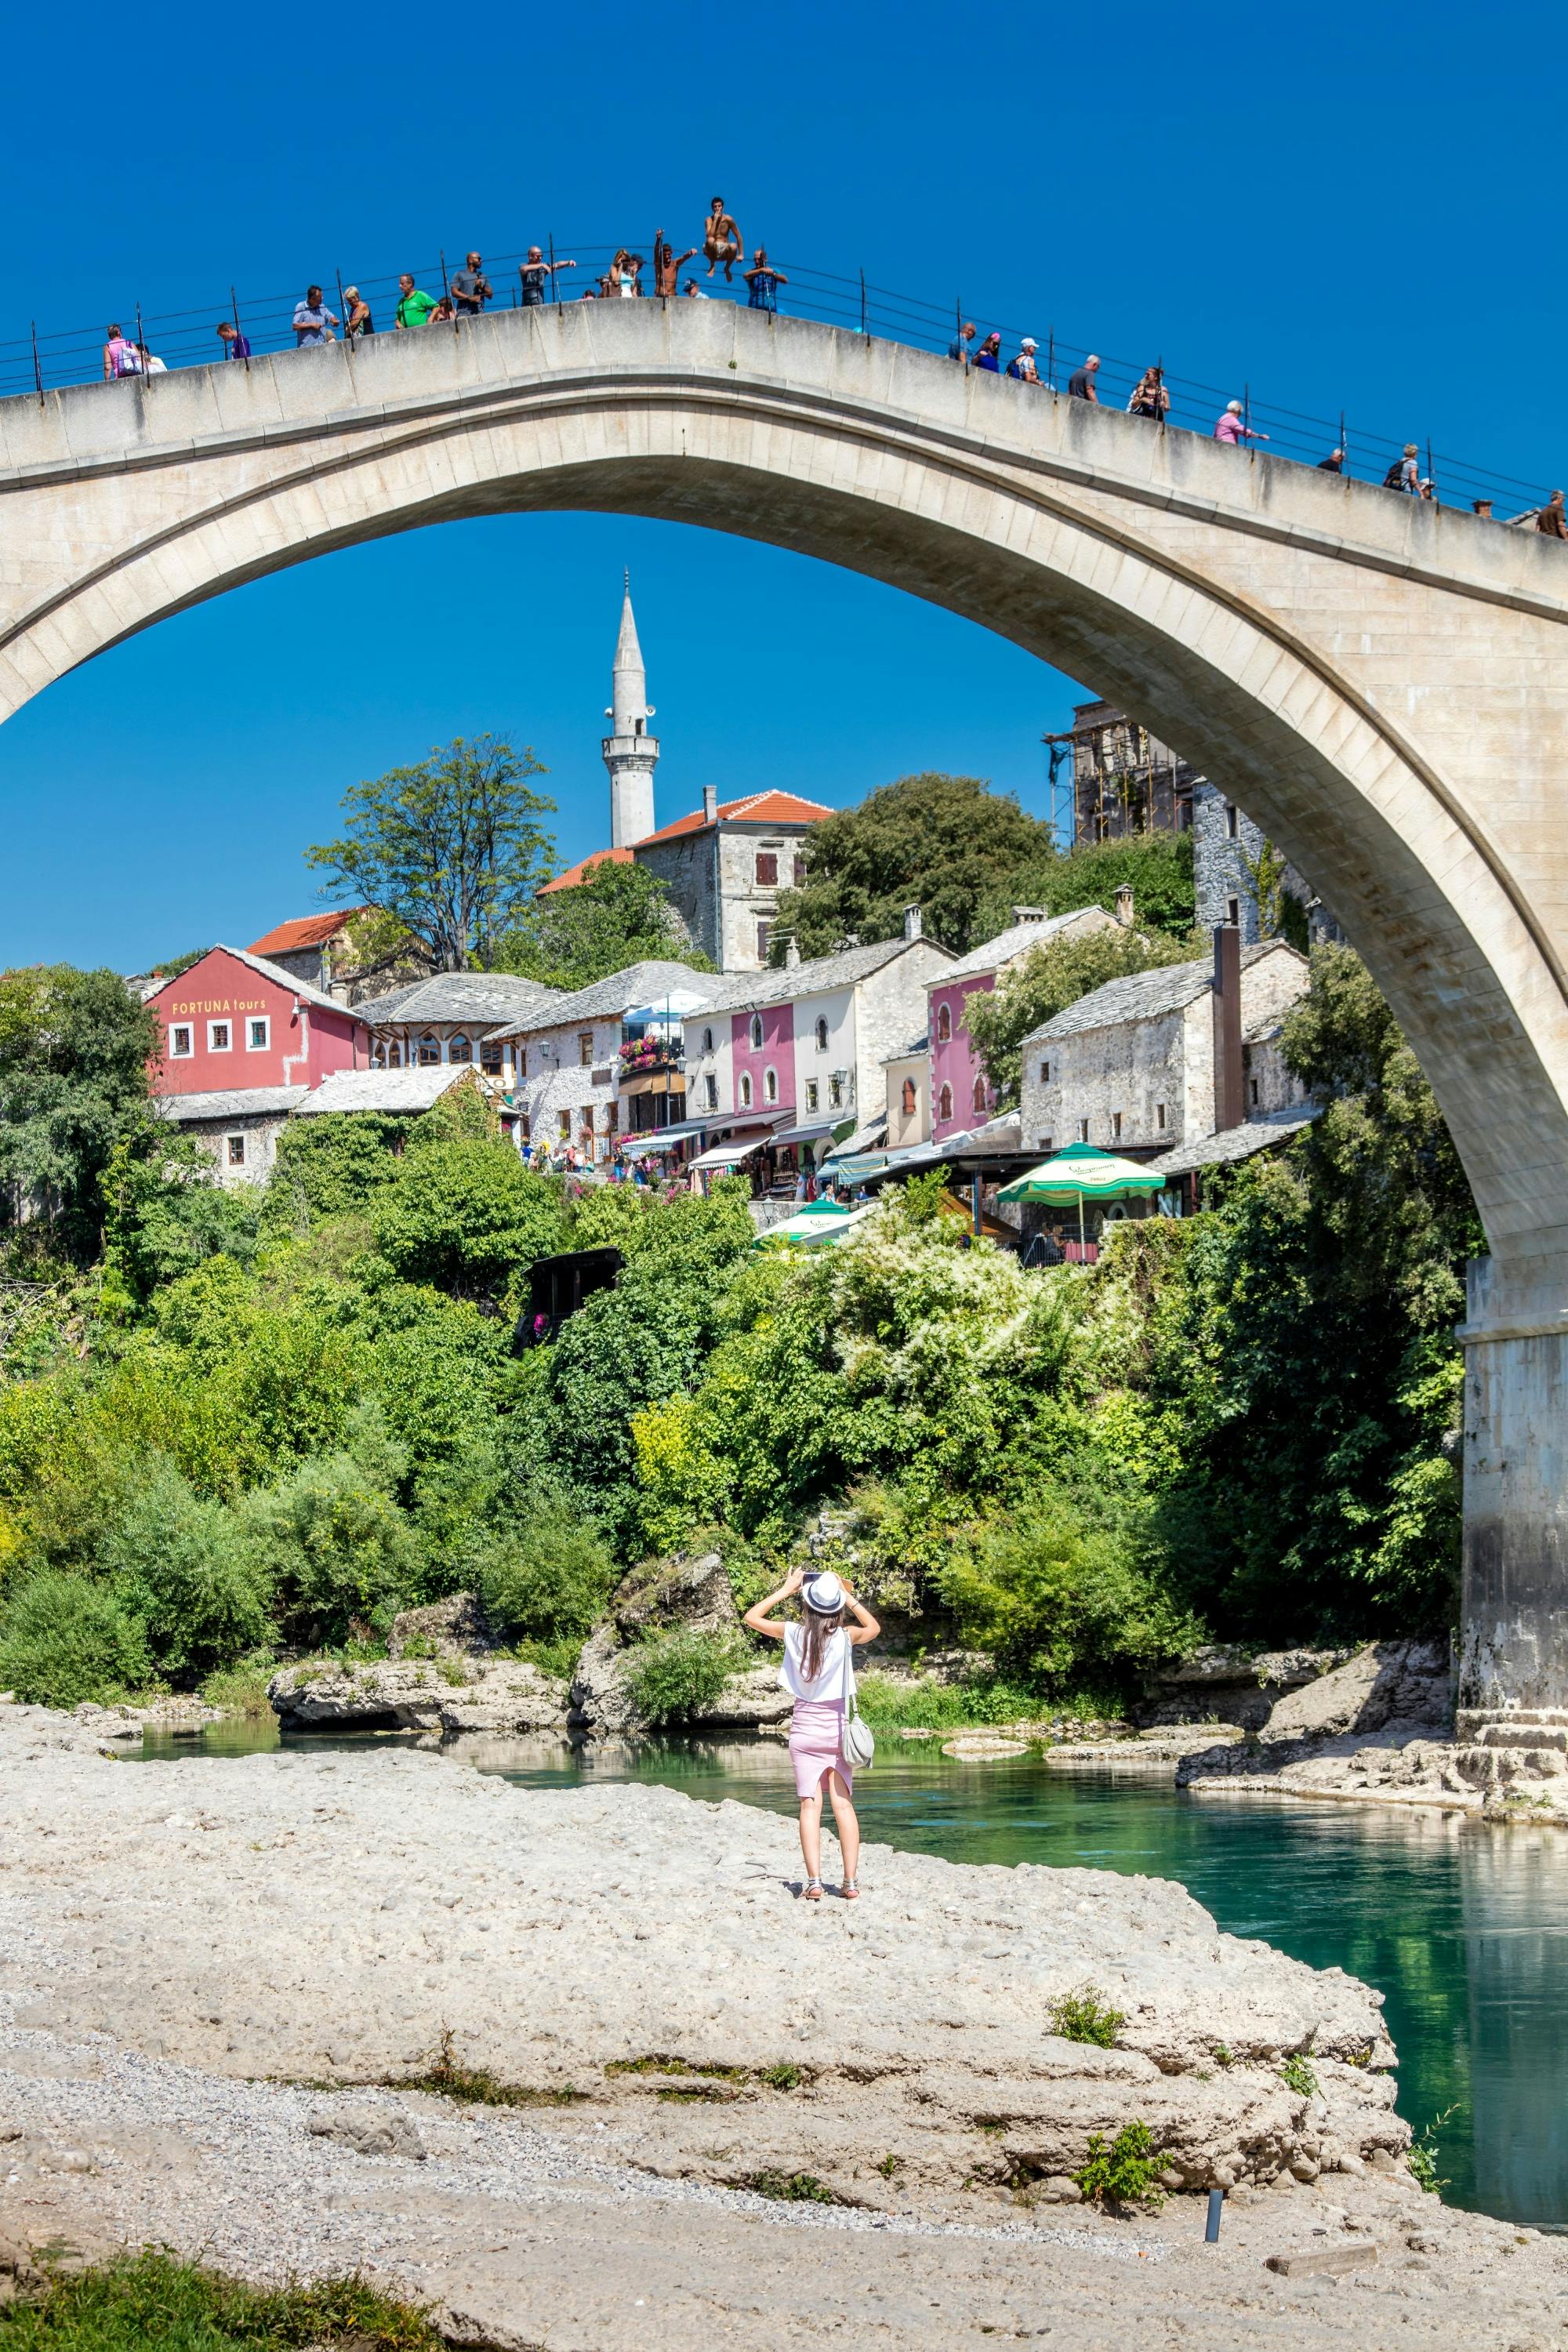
(548, 1578)
(621, 915)
(64, 1639)
(170, 967)
(338, 1552)
(180, 1566)
(1046, 981)
(1157, 867)
(166, 1215)
(451, 847)
(76, 1050)
(466, 1215)
(331, 1165)
(945, 843)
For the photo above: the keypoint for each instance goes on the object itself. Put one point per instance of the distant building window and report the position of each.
(219, 1035)
(977, 1099)
(522, 1061)
(180, 1046)
(945, 1103)
(394, 1058)
(1044, 1074)
(1047, 1144)
(1254, 1093)
(764, 932)
(1233, 911)
(1159, 1115)
(258, 1036)
(563, 1120)
(909, 1098)
(585, 1049)
(822, 1036)
(767, 869)
(800, 873)
(235, 1151)
(812, 1094)
(1083, 1130)
(745, 1090)
(711, 1087)
(771, 1086)
(944, 1024)
(756, 1031)
(1230, 816)
(1116, 1126)
(835, 1093)
(429, 1053)
(708, 1041)
(459, 1050)
(490, 1054)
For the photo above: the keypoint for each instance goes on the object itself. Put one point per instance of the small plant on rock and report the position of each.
(1422, 2155)
(1083, 2016)
(890, 2166)
(782, 2078)
(1223, 2054)
(1299, 2075)
(787, 2187)
(1125, 2173)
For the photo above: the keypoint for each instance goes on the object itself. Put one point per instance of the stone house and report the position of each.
(960, 1095)
(453, 1017)
(811, 1038)
(571, 1085)
(1131, 1065)
(244, 1040)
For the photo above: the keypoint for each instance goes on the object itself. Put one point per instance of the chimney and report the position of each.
(1229, 1108)
(1125, 906)
(1028, 914)
(912, 922)
(710, 804)
(792, 953)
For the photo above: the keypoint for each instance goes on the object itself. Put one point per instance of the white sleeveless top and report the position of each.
(829, 1683)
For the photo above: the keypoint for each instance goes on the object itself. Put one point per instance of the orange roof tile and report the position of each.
(305, 931)
(580, 872)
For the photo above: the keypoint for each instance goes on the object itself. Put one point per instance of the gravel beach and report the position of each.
(211, 1970)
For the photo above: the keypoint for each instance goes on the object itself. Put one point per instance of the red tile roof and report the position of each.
(757, 808)
(580, 872)
(305, 931)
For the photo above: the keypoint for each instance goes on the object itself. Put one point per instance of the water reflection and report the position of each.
(1463, 1928)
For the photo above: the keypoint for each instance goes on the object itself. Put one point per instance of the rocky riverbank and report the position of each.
(196, 1955)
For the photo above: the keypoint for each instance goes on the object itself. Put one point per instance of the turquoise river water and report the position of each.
(1465, 1928)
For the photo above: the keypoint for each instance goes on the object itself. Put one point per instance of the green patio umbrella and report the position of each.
(1081, 1173)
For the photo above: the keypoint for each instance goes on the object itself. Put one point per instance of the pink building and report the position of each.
(244, 1041)
(762, 1046)
(961, 1097)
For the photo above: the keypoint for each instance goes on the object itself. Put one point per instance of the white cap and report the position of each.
(1028, 344)
(824, 1593)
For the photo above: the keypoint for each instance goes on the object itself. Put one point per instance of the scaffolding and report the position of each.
(1112, 779)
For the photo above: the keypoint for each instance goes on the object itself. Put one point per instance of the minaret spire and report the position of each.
(630, 753)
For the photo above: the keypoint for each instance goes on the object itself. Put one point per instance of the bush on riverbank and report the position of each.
(154, 2298)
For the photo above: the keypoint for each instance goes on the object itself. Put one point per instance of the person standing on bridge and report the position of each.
(959, 347)
(1405, 474)
(1150, 397)
(1334, 463)
(534, 273)
(1231, 429)
(763, 282)
(1080, 383)
(667, 265)
(989, 355)
(471, 289)
(235, 346)
(120, 356)
(1550, 520)
(360, 322)
(721, 239)
(313, 322)
(1023, 370)
(414, 305)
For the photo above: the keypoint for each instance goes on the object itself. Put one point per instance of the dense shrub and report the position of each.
(65, 1638)
(337, 1550)
(183, 1567)
(673, 1677)
(548, 1579)
(464, 1214)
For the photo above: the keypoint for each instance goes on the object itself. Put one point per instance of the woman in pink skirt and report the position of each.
(815, 1669)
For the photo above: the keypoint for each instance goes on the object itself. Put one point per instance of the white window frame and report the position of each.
(1044, 1074)
(233, 1158)
(756, 1033)
(213, 1046)
(770, 1085)
(745, 1090)
(812, 1094)
(712, 1083)
(1083, 1130)
(187, 1030)
(821, 1034)
(262, 1021)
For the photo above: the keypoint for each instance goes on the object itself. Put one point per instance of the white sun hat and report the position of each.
(824, 1593)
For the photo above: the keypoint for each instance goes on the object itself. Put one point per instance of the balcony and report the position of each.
(647, 1057)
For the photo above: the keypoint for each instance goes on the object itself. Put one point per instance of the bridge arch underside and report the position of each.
(1447, 930)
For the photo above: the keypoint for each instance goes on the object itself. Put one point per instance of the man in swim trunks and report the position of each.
(721, 239)
(667, 263)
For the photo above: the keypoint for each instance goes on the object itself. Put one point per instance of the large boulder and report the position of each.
(600, 1696)
(437, 1695)
(1389, 1685)
(457, 1627)
(1223, 1683)
(679, 1594)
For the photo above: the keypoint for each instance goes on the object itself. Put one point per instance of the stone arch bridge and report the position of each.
(1383, 685)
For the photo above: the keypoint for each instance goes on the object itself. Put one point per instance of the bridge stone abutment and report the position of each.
(1382, 685)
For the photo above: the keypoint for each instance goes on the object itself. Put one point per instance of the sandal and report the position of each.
(812, 1891)
(850, 1890)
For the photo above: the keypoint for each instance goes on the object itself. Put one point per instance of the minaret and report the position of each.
(631, 754)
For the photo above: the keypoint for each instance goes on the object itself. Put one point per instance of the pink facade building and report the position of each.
(960, 1095)
(762, 1048)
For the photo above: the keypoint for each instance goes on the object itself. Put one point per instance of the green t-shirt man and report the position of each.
(413, 308)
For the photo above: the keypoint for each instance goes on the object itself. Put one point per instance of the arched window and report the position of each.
(911, 1098)
(769, 1086)
(822, 1036)
(978, 1096)
(708, 1041)
(945, 1103)
(944, 1024)
(745, 1090)
(459, 1050)
(756, 1031)
(430, 1052)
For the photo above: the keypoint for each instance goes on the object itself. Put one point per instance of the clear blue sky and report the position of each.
(1358, 209)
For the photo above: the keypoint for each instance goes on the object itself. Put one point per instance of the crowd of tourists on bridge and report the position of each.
(470, 292)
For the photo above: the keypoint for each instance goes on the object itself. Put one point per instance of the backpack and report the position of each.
(1394, 478)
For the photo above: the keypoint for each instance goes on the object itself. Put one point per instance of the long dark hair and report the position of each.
(814, 1640)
